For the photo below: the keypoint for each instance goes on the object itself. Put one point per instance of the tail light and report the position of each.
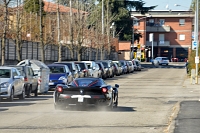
(104, 90)
(25, 79)
(59, 88)
(84, 70)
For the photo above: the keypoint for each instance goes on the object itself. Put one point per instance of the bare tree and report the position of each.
(5, 28)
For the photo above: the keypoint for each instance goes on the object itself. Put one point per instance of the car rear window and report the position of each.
(57, 69)
(86, 83)
(164, 58)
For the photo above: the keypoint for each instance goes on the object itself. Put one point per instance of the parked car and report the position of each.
(119, 66)
(41, 70)
(12, 83)
(93, 68)
(80, 72)
(139, 67)
(59, 74)
(124, 66)
(134, 65)
(161, 61)
(72, 67)
(108, 66)
(104, 71)
(130, 66)
(116, 69)
(84, 68)
(30, 80)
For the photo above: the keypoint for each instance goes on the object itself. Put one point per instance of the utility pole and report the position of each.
(71, 31)
(58, 26)
(41, 32)
(102, 20)
(197, 39)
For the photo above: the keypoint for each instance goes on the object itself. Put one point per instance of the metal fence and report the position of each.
(31, 50)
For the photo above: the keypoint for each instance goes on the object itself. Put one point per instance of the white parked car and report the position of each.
(12, 83)
(161, 61)
(93, 68)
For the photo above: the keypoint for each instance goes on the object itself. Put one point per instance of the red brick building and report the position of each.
(172, 33)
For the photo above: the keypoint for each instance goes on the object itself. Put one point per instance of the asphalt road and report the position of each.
(149, 102)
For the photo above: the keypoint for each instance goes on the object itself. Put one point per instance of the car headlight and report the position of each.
(4, 85)
(106, 69)
(62, 78)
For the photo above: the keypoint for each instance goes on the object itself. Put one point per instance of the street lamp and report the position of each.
(135, 21)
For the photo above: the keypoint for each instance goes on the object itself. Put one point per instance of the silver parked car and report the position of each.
(12, 83)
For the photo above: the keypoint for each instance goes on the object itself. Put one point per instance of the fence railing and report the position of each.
(31, 50)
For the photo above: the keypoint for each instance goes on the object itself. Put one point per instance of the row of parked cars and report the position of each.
(32, 76)
(65, 72)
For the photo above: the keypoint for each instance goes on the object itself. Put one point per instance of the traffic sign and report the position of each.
(196, 59)
(194, 45)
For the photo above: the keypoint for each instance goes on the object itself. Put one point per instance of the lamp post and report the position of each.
(135, 21)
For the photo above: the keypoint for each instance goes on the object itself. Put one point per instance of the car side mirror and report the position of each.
(116, 85)
(17, 77)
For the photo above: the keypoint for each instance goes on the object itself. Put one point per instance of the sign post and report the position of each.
(151, 40)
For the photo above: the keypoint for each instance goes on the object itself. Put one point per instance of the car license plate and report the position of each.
(80, 99)
(51, 83)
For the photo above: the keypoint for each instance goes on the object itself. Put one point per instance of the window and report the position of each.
(181, 37)
(162, 22)
(181, 22)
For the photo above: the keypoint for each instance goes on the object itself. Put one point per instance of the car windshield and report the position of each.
(57, 69)
(105, 64)
(5, 73)
(122, 62)
(82, 66)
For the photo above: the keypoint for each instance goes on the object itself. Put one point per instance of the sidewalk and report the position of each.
(188, 116)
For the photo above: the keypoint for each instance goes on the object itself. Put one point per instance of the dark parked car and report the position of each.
(104, 72)
(124, 66)
(84, 68)
(109, 67)
(86, 91)
(72, 67)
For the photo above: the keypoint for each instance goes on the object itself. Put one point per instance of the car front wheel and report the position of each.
(22, 96)
(11, 98)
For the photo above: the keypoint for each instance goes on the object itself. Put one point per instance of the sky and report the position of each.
(162, 4)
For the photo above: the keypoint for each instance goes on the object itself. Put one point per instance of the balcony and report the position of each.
(152, 27)
(158, 43)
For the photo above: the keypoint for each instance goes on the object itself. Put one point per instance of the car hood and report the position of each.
(56, 75)
(3, 80)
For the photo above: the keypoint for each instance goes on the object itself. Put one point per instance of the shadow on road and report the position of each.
(100, 109)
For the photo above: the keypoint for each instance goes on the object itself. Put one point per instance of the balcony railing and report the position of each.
(158, 43)
(153, 27)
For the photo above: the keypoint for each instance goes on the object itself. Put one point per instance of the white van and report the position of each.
(41, 70)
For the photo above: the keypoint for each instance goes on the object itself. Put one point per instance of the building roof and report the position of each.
(52, 7)
(125, 45)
